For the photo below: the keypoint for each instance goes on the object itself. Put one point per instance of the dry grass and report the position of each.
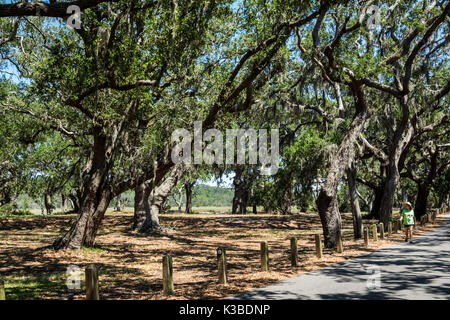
(130, 264)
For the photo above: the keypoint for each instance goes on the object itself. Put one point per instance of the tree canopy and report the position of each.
(358, 92)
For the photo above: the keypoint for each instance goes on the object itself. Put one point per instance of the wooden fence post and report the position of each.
(389, 229)
(264, 256)
(339, 244)
(381, 230)
(294, 252)
(374, 232)
(222, 265)
(167, 275)
(366, 236)
(319, 252)
(2, 290)
(91, 277)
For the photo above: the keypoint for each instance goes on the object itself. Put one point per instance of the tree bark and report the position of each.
(150, 202)
(180, 199)
(48, 203)
(75, 201)
(141, 205)
(398, 150)
(158, 198)
(327, 202)
(424, 186)
(5, 197)
(240, 194)
(188, 188)
(376, 205)
(63, 203)
(420, 207)
(387, 200)
(356, 212)
(95, 200)
(286, 207)
(95, 197)
(118, 204)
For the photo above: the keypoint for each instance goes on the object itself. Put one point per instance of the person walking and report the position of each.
(407, 216)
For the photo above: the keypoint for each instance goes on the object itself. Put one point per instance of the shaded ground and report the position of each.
(130, 264)
(417, 270)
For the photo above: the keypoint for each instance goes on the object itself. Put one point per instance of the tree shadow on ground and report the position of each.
(421, 267)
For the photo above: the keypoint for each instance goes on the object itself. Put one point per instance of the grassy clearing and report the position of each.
(130, 264)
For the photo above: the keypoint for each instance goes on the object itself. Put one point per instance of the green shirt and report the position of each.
(408, 217)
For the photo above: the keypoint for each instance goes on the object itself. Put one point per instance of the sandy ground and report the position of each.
(130, 264)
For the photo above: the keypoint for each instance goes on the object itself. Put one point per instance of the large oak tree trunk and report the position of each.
(146, 212)
(387, 200)
(400, 145)
(95, 197)
(424, 187)
(356, 212)
(118, 204)
(240, 194)
(48, 203)
(444, 200)
(63, 203)
(95, 200)
(75, 201)
(141, 205)
(180, 201)
(188, 189)
(376, 204)
(327, 202)
(6, 196)
(158, 198)
(286, 205)
(150, 202)
(420, 207)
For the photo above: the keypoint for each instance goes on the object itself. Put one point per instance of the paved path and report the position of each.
(418, 270)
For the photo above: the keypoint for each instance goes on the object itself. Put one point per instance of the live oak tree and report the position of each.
(12, 151)
(424, 166)
(150, 201)
(416, 63)
(337, 70)
(349, 102)
(220, 85)
(382, 63)
(107, 84)
(88, 86)
(441, 188)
